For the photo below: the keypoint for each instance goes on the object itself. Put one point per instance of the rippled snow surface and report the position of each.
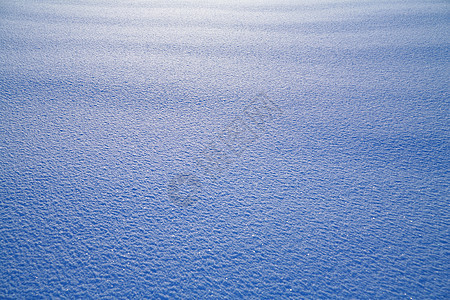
(131, 165)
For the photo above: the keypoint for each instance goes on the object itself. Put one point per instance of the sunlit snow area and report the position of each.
(224, 149)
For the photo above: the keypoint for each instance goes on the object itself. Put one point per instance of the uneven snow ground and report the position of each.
(105, 108)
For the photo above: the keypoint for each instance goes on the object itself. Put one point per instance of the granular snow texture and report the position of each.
(224, 149)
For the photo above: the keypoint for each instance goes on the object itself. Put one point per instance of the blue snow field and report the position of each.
(224, 149)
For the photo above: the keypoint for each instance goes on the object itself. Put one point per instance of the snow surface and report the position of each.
(107, 109)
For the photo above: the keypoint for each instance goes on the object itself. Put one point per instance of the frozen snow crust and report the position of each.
(134, 162)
